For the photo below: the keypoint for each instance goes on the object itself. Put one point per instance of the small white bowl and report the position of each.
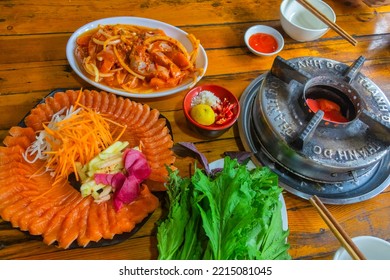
(267, 30)
(300, 24)
(373, 248)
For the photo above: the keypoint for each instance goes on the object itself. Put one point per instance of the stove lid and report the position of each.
(340, 162)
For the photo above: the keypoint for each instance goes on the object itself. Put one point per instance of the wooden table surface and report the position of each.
(33, 36)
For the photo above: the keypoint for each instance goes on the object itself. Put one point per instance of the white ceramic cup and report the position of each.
(373, 248)
(300, 24)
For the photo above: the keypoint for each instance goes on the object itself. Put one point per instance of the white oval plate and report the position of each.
(172, 31)
(219, 164)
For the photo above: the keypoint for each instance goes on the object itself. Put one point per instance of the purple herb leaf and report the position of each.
(188, 149)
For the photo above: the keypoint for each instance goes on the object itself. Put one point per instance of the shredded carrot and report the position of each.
(79, 138)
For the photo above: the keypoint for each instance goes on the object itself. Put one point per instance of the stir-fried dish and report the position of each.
(136, 59)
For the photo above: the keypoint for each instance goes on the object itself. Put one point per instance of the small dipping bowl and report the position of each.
(263, 40)
(213, 130)
(373, 248)
(300, 24)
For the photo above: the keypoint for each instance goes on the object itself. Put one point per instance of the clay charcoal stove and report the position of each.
(322, 126)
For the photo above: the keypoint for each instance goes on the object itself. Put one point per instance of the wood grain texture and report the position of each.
(33, 38)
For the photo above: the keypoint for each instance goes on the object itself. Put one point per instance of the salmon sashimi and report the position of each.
(105, 224)
(125, 224)
(137, 112)
(34, 210)
(148, 203)
(53, 104)
(51, 233)
(62, 99)
(127, 107)
(119, 108)
(97, 99)
(41, 204)
(143, 117)
(112, 100)
(104, 103)
(93, 224)
(69, 227)
(82, 238)
(10, 200)
(112, 219)
(157, 127)
(22, 131)
(22, 141)
(88, 101)
(10, 154)
(30, 200)
(151, 120)
(15, 209)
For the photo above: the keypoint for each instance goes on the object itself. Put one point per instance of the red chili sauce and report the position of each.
(263, 42)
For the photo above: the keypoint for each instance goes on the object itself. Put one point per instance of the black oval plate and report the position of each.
(118, 238)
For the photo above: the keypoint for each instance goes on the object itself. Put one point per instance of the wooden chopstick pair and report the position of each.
(328, 22)
(337, 230)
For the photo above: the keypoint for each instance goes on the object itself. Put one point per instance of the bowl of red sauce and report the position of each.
(263, 40)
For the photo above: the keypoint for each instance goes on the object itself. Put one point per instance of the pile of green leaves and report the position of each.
(233, 214)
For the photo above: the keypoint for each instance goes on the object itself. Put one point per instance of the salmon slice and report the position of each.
(72, 96)
(141, 207)
(93, 224)
(157, 127)
(10, 154)
(34, 211)
(159, 174)
(89, 99)
(160, 161)
(54, 222)
(127, 107)
(15, 209)
(162, 135)
(34, 121)
(103, 219)
(51, 233)
(136, 114)
(62, 99)
(124, 222)
(104, 103)
(9, 200)
(158, 140)
(112, 101)
(22, 141)
(41, 204)
(112, 220)
(17, 131)
(48, 111)
(40, 220)
(82, 224)
(7, 191)
(54, 106)
(38, 225)
(143, 117)
(69, 230)
(119, 107)
(149, 123)
(131, 214)
(97, 99)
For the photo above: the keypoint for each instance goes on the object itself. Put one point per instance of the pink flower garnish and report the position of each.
(126, 185)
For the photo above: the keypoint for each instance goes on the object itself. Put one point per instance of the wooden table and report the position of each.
(33, 36)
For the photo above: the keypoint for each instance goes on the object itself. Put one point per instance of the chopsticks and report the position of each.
(328, 22)
(337, 230)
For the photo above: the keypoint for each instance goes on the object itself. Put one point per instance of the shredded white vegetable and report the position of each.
(39, 148)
